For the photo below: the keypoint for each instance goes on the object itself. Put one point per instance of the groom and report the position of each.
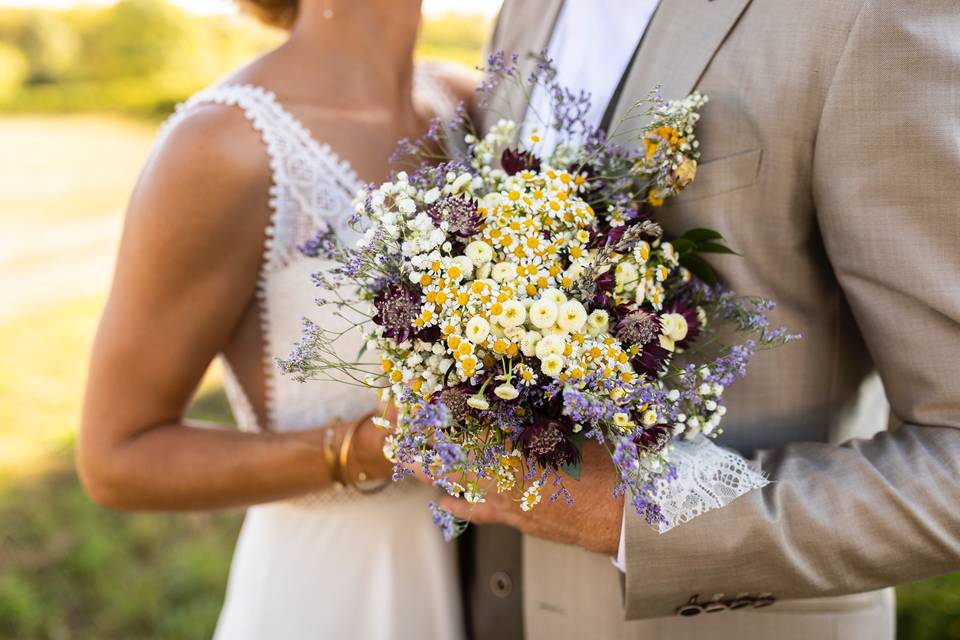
(831, 162)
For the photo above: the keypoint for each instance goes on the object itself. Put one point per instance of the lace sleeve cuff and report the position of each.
(708, 477)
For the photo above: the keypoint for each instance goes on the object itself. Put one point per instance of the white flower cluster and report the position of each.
(704, 418)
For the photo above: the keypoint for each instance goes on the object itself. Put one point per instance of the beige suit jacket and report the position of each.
(831, 162)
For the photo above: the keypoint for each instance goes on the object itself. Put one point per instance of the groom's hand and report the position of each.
(592, 522)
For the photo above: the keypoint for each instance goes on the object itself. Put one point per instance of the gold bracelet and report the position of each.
(330, 456)
(345, 445)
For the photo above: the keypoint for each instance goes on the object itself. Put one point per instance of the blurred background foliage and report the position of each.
(143, 56)
(81, 93)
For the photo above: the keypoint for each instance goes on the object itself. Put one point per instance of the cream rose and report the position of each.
(513, 315)
(479, 252)
(543, 313)
(571, 316)
(550, 345)
(477, 330)
(552, 365)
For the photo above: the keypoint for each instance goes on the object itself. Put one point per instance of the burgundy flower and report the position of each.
(455, 400)
(548, 442)
(514, 161)
(615, 235)
(606, 281)
(603, 286)
(638, 328)
(651, 360)
(429, 334)
(397, 308)
(654, 438)
(460, 214)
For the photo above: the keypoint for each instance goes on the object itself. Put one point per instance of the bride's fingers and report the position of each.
(482, 513)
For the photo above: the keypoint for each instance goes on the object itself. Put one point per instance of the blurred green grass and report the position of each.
(69, 569)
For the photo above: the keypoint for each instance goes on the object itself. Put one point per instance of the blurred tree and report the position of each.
(137, 38)
(14, 69)
(49, 44)
(453, 37)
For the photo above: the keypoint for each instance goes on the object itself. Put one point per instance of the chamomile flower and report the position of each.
(531, 497)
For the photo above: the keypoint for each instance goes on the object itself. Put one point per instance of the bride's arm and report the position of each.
(186, 272)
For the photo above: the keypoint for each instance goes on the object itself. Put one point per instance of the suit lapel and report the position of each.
(529, 31)
(680, 42)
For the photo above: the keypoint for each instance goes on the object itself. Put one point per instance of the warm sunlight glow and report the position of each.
(430, 7)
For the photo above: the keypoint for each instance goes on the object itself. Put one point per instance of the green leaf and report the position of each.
(702, 235)
(699, 267)
(716, 247)
(363, 350)
(683, 245)
(572, 470)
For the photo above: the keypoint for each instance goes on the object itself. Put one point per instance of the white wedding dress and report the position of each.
(334, 564)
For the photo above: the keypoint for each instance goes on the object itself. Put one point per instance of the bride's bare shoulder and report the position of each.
(207, 174)
(211, 137)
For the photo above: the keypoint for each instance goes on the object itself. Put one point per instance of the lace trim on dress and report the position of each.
(708, 477)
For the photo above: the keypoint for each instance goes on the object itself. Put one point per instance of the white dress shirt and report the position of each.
(592, 45)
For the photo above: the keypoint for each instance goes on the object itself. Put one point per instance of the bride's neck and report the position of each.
(366, 48)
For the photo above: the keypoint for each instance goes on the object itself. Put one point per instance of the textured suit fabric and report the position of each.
(831, 162)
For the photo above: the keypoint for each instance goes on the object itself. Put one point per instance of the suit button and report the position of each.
(691, 609)
(763, 601)
(501, 584)
(713, 607)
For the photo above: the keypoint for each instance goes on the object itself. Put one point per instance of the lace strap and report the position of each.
(259, 106)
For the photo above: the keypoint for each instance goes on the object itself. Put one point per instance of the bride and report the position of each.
(244, 174)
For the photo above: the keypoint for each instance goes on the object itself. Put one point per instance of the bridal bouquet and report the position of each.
(522, 302)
